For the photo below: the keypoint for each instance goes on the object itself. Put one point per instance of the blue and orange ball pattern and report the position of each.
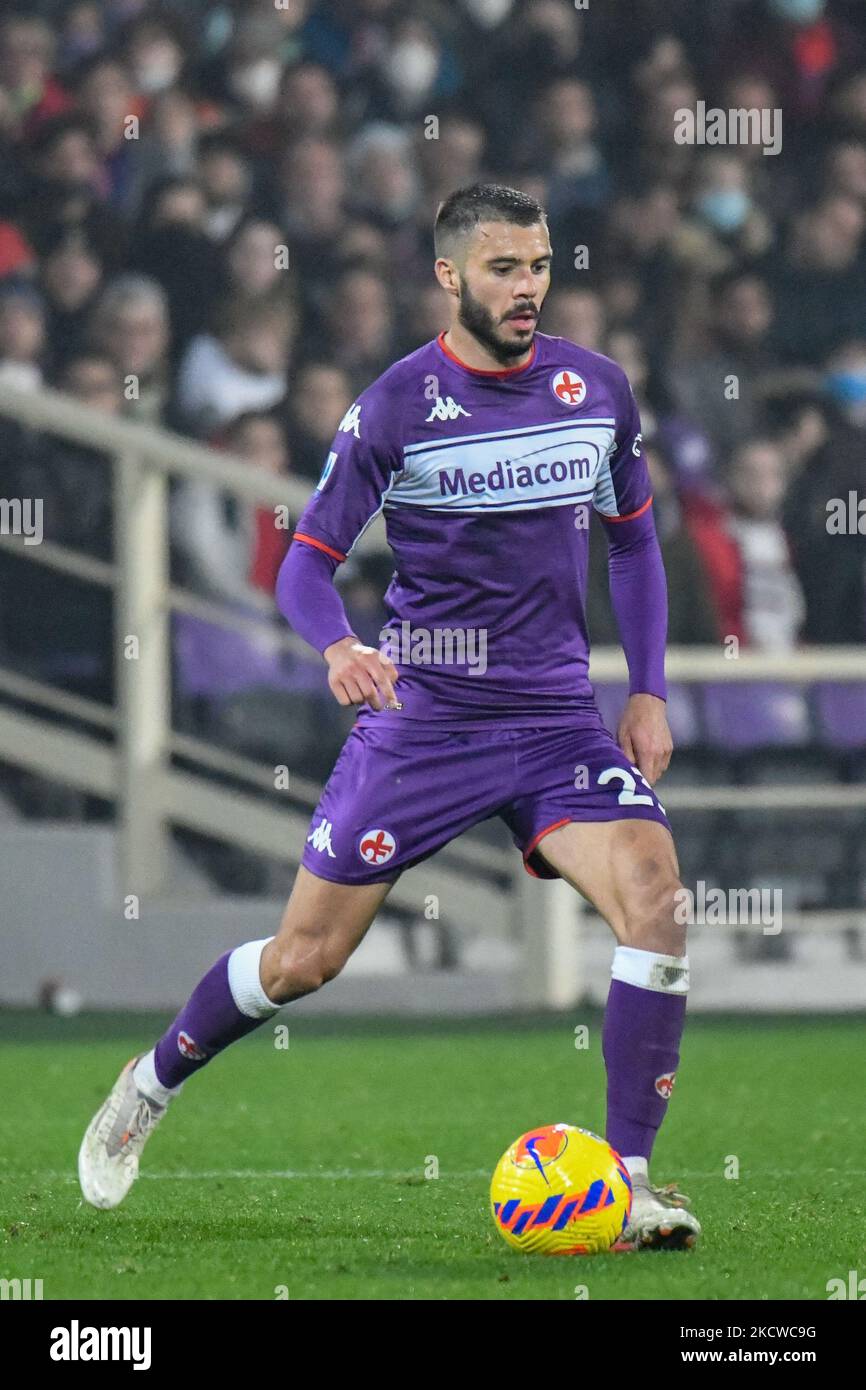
(560, 1190)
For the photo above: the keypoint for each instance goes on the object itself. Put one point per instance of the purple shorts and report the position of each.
(400, 790)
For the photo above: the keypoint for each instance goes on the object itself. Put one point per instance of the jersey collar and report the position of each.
(480, 371)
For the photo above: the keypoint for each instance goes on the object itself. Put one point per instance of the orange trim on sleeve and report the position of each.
(631, 515)
(319, 545)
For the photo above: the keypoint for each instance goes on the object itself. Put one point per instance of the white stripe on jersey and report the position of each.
(540, 466)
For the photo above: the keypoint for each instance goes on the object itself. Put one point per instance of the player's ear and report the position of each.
(447, 275)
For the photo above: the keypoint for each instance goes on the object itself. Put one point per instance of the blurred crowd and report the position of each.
(216, 215)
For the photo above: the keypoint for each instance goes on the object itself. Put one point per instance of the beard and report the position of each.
(477, 319)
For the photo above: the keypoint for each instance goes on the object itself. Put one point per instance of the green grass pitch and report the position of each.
(301, 1170)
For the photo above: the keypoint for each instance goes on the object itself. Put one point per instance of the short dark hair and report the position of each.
(463, 209)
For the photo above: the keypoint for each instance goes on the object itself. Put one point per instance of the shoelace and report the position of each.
(143, 1121)
(670, 1194)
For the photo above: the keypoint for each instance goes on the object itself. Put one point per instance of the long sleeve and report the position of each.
(306, 596)
(638, 588)
(638, 592)
(358, 474)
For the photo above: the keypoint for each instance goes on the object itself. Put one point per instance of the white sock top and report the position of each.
(245, 982)
(650, 970)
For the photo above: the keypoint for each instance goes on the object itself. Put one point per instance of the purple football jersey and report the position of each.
(486, 479)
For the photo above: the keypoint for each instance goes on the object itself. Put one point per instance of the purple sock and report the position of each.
(208, 1022)
(641, 1042)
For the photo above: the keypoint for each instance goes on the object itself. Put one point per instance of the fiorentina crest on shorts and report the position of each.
(665, 1084)
(568, 387)
(377, 846)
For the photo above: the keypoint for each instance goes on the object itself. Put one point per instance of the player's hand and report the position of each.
(360, 675)
(644, 736)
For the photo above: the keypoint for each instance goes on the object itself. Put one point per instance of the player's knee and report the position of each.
(650, 918)
(302, 972)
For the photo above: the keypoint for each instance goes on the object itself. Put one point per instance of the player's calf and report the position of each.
(299, 966)
(323, 924)
(647, 915)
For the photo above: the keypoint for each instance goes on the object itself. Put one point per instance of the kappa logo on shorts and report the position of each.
(189, 1048)
(320, 838)
(568, 388)
(665, 1084)
(377, 846)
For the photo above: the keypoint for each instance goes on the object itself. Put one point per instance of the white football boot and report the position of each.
(659, 1220)
(109, 1153)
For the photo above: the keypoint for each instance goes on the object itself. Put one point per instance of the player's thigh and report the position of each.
(400, 791)
(324, 922)
(628, 870)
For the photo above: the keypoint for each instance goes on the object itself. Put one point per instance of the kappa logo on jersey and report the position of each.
(320, 838)
(568, 388)
(351, 421)
(326, 472)
(187, 1047)
(447, 409)
(377, 846)
(635, 448)
(665, 1084)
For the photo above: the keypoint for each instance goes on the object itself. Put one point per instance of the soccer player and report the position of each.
(486, 448)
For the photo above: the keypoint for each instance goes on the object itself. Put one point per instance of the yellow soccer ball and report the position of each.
(560, 1190)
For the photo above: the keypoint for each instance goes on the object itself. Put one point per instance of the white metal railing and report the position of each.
(136, 770)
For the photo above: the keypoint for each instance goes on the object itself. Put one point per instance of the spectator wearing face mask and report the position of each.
(154, 46)
(246, 74)
(725, 226)
(416, 67)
